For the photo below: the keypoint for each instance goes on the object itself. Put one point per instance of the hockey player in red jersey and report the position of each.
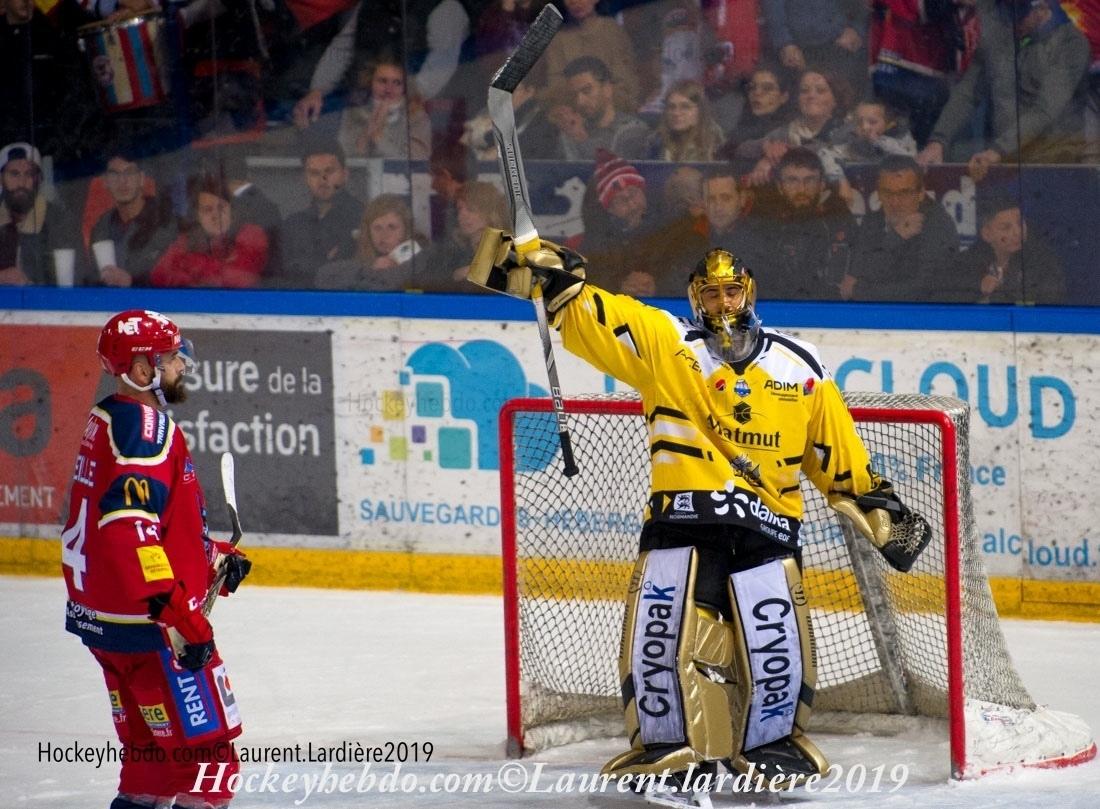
(137, 562)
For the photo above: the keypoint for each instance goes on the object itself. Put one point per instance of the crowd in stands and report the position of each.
(137, 173)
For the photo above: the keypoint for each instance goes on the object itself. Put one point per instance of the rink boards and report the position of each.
(368, 424)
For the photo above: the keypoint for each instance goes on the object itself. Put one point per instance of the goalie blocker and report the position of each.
(498, 267)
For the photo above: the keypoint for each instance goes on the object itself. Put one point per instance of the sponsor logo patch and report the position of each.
(148, 423)
(807, 387)
(154, 563)
(684, 501)
(156, 717)
(118, 712)
(227, 698)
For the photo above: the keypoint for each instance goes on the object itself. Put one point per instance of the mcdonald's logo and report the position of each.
(135, 489)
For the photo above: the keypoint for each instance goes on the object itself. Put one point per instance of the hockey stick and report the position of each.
(526, 236)
(229, 488)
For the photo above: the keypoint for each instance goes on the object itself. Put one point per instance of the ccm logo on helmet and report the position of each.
(657, 676)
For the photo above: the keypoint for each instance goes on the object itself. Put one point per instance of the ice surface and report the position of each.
(326, 667)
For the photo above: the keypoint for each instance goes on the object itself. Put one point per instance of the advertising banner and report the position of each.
(380, 433)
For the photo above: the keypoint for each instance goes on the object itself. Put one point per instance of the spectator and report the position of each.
(385, 249)
(819, 32)
(250, 204)
(668, 37)
(450, 167)
(640, 253)
(806, 232)
(1086, 13)
(727, 225)
(500, 28)
(1035, 86)
(538, 137)
(385, 117)
(35, 235)
(683, 195)
(906, 250)
(732, 58)
(687, 132)
(325, 230)
(309, 39)
(215, 251)
(593, 123)
(46, 96)
(1008, 264)
(444, 266)
(128, 240)
(588, 34)
(916, 48)
(874, 132)
(768, 95)
(823, 101)
(427, 36)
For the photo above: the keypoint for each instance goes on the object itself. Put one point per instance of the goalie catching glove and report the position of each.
(559, 271)
(892, 527)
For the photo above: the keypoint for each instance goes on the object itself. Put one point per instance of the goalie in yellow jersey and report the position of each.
(717, 661)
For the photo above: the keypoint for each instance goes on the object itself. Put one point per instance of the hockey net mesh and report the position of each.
(881, 636)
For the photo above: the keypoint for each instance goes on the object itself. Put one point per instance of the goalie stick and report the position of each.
(526, 236)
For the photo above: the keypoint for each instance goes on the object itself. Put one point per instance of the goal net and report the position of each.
(889, 645)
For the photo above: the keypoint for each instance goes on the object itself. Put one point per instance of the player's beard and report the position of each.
(175, 392)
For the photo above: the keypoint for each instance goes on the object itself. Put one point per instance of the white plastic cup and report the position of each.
(104, 252)
(64, 266)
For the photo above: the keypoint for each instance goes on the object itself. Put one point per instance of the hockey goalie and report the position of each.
(717, 662)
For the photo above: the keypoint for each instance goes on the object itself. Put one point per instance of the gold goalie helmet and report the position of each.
(722, 293)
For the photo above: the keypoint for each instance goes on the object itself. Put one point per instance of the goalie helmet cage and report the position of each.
(889, 645)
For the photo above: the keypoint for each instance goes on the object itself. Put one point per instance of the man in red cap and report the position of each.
(643, 255)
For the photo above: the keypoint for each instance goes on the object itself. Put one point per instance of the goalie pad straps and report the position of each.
(772, 623)
(675, 667)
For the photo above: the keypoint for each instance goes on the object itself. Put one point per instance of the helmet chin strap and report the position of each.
(154, 384)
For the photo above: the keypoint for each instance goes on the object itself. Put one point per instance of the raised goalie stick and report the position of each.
(229, 488)
(524, 233)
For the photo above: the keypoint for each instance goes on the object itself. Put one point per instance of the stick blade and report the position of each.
(534, 42)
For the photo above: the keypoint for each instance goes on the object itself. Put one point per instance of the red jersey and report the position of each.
(137, 524)
(902, 34)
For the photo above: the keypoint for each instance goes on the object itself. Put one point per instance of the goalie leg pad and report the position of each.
(777, 658)
(676, 670)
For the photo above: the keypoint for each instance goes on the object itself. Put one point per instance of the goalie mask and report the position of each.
(722, 293)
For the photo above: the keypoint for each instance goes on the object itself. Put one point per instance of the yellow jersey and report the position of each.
(727, 441)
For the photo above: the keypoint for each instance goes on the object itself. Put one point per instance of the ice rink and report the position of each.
(330, 668)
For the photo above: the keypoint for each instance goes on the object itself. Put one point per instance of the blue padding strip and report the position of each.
(780, 314)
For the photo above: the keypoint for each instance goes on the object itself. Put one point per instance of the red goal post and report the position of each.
(889, 645)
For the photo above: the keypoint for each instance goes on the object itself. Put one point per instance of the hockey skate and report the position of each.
(791, 760)
(683, 789)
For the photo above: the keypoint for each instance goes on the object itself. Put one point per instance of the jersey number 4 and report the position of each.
(72, 546)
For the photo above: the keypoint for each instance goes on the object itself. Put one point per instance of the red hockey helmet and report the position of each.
(133, 332)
